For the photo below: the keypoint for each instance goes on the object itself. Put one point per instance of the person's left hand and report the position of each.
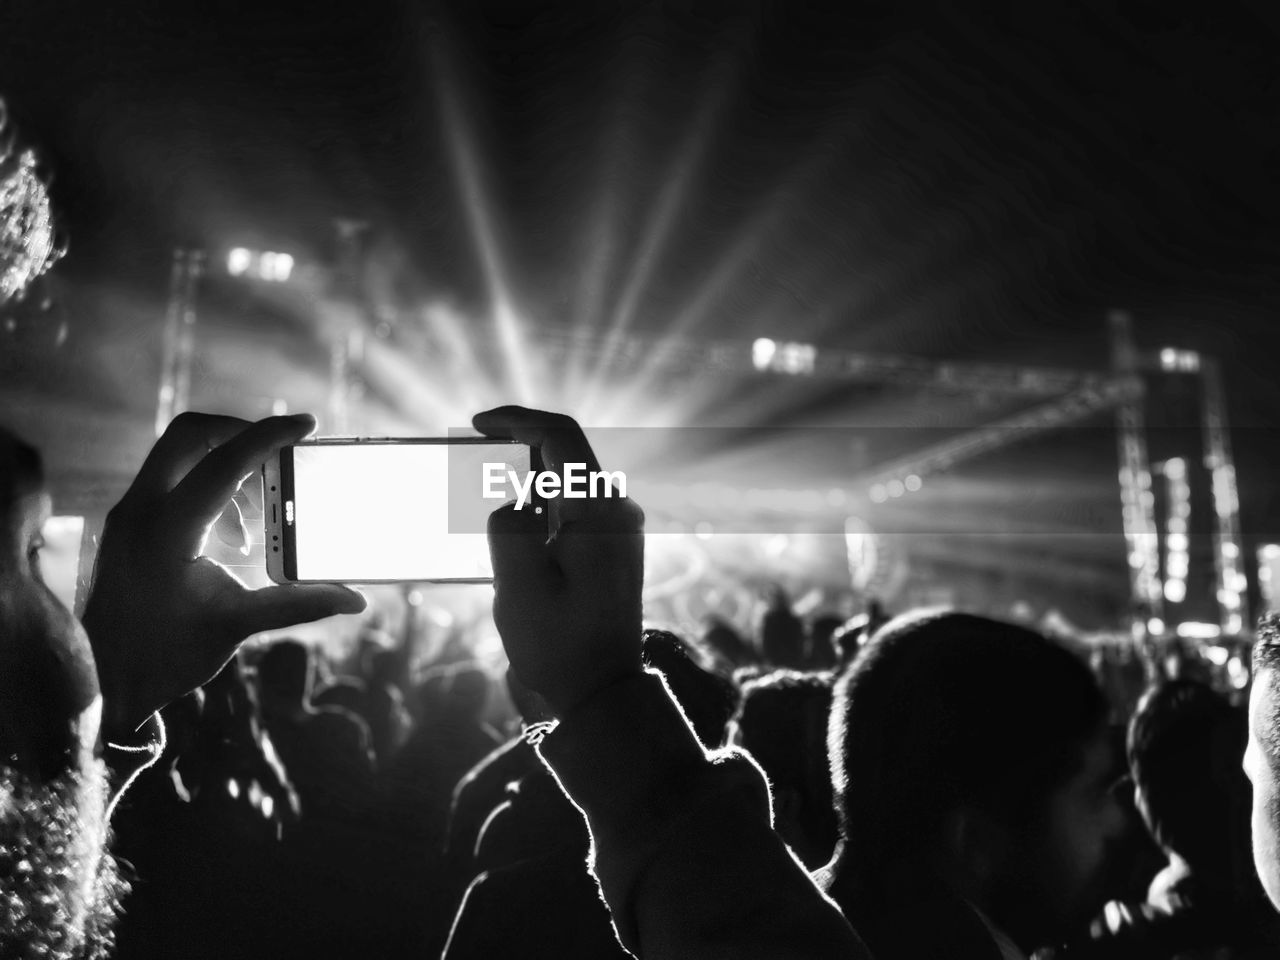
(163, 619)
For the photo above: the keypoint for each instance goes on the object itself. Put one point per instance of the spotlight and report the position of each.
(762, 352)
(238, 261)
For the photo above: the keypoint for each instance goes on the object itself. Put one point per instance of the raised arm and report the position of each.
(682, 841)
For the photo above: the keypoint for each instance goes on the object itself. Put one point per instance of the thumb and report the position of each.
(518, 548)
(272, 608)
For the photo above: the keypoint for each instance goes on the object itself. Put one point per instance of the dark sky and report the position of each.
(930, 165)
(910, 178)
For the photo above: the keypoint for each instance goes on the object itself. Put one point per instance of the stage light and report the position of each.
(1191, 630)
(762, 352)
(238, 261)
(1175, 591)
(268, 265)
(792, 358)
(913, 483)
(1179, 361)
(878, 494)
(895, 488)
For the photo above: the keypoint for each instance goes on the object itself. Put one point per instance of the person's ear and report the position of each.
(976, 845)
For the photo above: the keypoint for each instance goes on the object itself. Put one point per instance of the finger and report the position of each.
(213, 481)
(231, 530)
(273, 608)
(518, 547)
(251, 493)
(184, 443)
(559, 438)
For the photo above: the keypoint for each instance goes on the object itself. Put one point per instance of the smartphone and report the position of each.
(388, 510)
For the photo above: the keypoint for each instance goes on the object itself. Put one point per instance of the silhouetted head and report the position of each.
(49, 699)
(781, 632)
(285, 673)
(384, 666)
(59, 888)
(1185, 743)
(821, 654)
(782, 723)
(726, 643)
(349, 693)
(972, 754)
(707, 699)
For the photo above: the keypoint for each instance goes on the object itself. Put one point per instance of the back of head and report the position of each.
(347, 693)
(943, 712)
(1184, 746)
(707, 699)
(284, 672)
(725, 643)
(781, 632)
(782, 723)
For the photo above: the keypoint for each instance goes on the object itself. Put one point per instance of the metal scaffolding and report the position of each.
(1137, 498)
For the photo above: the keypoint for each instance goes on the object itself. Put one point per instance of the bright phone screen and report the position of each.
(394, 511)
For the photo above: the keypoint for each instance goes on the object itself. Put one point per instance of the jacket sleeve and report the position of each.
(683, 845)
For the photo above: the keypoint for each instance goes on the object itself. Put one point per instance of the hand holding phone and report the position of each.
(568, 607)
(162, 618)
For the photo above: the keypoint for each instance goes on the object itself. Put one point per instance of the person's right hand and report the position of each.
(568, 607)
(162, 617)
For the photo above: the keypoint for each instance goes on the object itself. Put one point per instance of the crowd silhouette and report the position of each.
(935, 784)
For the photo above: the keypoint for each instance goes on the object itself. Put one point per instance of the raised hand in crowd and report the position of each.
(566, 583)
(162, 618)
(683, 845)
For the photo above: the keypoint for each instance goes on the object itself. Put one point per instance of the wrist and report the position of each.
(124, 711)
(564, 702)
(119, 723)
